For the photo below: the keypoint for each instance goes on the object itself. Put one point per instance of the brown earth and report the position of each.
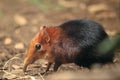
(20, 20)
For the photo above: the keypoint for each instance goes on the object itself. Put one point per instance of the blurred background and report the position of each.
(20, 20)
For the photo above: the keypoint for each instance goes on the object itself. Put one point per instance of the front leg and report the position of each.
(56, 66)
(47, 69)
(48, 66)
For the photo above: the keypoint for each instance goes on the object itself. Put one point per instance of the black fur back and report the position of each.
(86, 36)
(87, 32)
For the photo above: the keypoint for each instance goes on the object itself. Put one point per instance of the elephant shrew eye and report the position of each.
(37, 46)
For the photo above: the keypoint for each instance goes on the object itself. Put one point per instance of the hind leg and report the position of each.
(56, 66)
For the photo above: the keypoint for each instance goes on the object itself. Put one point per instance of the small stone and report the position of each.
(16, 66)
(10, 76)
(111, 33)
(20, 20)
(2, 55)
(97, 8)
(19, 46)
(68, 3)
(17, 72)
(7, 41)
(116, 60)
(106, 15)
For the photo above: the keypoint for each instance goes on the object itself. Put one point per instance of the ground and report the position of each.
(20, 20)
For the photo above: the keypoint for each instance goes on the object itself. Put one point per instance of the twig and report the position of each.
(41, 76)
(8, 62)
(20, 77)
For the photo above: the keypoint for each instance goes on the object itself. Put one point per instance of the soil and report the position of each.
(20, 20)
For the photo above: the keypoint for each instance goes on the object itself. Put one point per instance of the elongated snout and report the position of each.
(27, 61)
(25, 65)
